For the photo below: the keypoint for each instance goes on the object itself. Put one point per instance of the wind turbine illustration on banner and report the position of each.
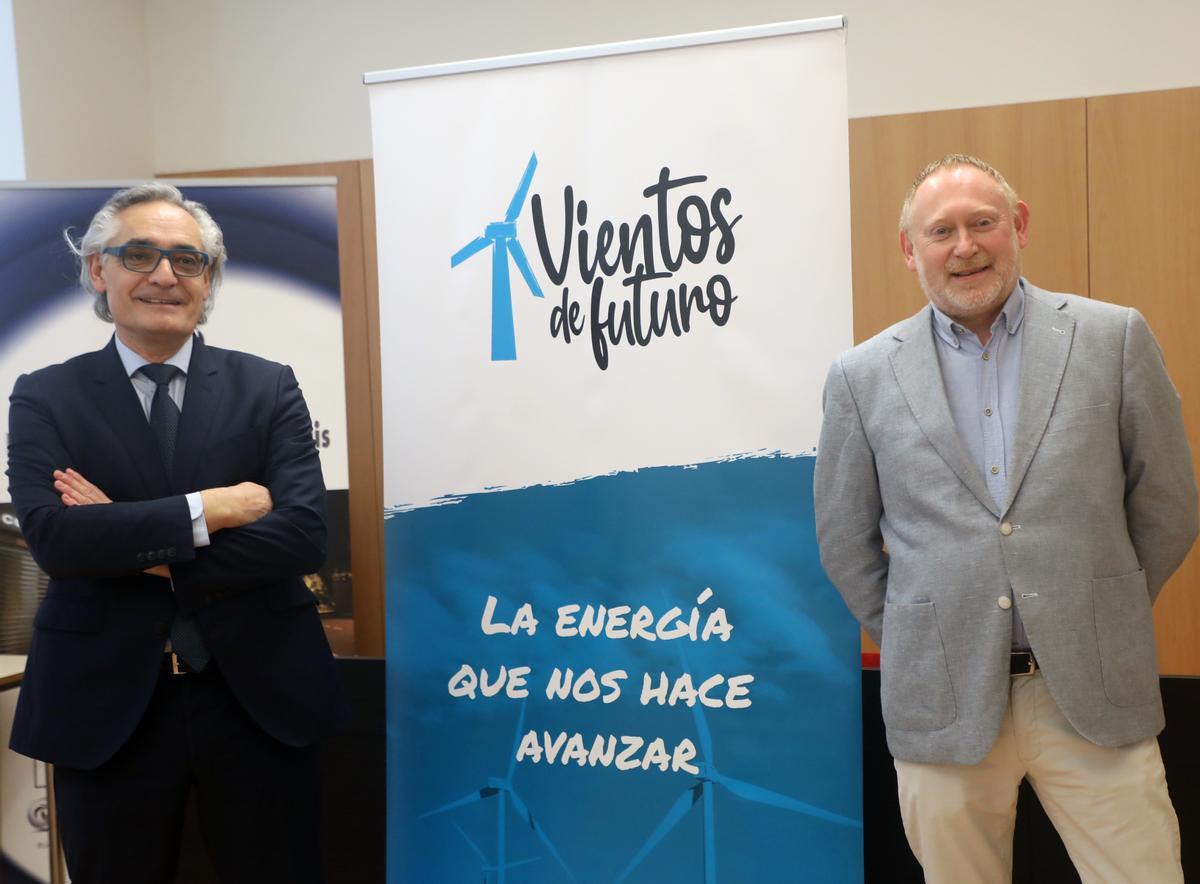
(489, 870)
(501, 788)
(701, 792)
(502, 237)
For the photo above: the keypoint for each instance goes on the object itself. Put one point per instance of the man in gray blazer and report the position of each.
(1003, 486)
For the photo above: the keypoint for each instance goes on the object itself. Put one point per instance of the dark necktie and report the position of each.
(164, 421)
(164, 413)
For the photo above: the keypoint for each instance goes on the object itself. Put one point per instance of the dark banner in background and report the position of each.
(280, 299)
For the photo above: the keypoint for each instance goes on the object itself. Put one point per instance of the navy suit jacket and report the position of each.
(99, 634)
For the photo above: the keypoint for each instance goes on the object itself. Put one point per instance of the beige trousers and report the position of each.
(1110, 806)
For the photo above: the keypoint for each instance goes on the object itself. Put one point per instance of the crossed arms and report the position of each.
(228, 507)
(260, 531)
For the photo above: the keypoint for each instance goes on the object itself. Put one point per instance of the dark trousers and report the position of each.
(256, 799)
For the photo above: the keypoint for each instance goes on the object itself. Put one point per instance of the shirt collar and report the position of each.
(133, 361)
(1011, 315)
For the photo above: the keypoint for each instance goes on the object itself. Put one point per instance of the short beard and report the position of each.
(964, 310)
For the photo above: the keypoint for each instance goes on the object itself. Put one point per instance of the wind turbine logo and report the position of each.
(488, 868)
(502, 237)
(501, 788)
(701, 792)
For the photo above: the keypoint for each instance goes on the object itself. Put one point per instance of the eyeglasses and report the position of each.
(145, 259)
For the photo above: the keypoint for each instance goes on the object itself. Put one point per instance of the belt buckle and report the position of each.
(1030, 662)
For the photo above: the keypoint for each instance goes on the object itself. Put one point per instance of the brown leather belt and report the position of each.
(1022, 663)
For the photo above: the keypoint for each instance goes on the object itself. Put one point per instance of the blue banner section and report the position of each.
(721, 739)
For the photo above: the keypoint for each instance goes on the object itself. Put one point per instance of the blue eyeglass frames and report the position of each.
(144, 259)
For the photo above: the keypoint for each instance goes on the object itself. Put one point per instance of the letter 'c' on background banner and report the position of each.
(611, 281)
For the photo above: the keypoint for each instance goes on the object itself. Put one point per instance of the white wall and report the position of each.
(85, 88)
(281, 79)
(12, 148)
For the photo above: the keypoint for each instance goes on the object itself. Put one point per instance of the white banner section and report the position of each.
(662, 163)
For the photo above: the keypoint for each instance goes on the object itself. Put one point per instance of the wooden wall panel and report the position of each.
(1040, 148)
(360, 341)
(1144, 223)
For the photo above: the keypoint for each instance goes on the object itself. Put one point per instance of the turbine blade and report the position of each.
(522, 263)
(518, 200)
(523, 812)
(512, 865)
(478, 244)
(468, 799)
(681, 806)
(512, 761)
(759, 795)
(702, 730)
(520, 862)
(475, 847)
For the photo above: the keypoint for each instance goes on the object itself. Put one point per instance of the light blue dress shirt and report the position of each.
(982, 384)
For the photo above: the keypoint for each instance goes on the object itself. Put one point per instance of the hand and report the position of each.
(235, 505)
(75, 490)
(78, 491)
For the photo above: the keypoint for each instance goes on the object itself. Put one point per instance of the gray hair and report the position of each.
(950, 161)
(104, 227)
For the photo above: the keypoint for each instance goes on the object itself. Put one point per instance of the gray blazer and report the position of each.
(1101, 510)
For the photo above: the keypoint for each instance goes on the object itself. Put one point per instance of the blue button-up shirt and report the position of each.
(981, 382)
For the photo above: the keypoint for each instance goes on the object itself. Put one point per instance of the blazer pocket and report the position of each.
(917, 693)
(63, 614)
(1125, 638)
(1078, 417)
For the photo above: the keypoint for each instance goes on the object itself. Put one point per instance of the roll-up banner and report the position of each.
(611, 282)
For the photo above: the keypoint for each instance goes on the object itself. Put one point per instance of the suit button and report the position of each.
(1004, 602)
(171, 551)
(1005, 528)
(162, 554)
(151, 556)
(141, 557)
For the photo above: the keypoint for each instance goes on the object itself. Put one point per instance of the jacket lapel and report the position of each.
(1047, 337)
(918, 373)
(201, 398)
(120, 408)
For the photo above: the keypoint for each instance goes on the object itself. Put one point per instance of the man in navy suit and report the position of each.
(172, 492)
